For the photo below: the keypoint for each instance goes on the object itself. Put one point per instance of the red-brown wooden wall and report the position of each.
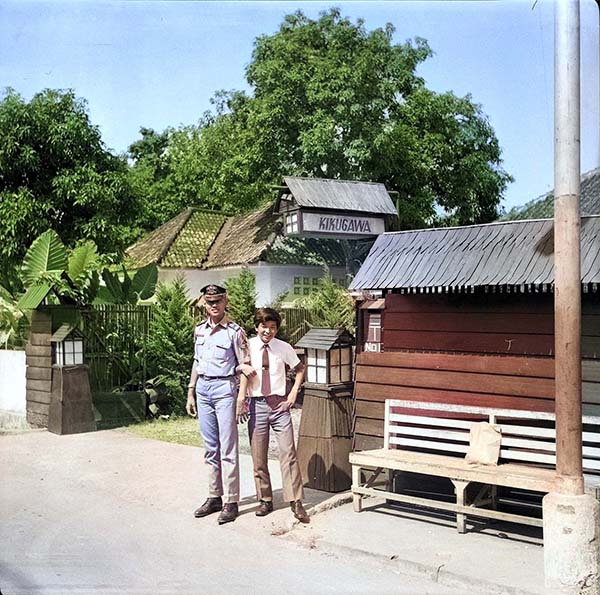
(509, 324)
(491, 349)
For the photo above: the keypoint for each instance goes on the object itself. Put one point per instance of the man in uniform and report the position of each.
(221, 353)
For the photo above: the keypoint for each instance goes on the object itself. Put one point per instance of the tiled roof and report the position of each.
(190, 248)
(206, 239)
(244, 239)
(543, 207)
(310, 251)
(181, 242)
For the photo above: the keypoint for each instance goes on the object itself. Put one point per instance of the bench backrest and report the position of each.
(527, 436)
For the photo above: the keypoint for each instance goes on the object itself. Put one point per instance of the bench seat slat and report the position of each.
(508, 474)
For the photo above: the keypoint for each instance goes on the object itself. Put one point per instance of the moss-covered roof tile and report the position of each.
(190, 247)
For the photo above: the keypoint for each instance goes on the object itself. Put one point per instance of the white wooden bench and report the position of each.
(432, 439)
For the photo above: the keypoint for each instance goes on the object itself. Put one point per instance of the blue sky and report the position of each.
(156, 64)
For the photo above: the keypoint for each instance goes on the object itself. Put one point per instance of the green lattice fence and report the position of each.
(115, 340)
(295, 323)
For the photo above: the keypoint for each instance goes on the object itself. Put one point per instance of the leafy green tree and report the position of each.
(330, 306)
(150, 165)
(242, 299)
(331, 99)
(56, 173)
(170, 346)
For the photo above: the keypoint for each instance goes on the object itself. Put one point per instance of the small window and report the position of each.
(291, 223)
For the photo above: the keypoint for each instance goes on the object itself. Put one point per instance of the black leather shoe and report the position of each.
(299, 512)
(210, 505)
(228, 514)
(264, 508)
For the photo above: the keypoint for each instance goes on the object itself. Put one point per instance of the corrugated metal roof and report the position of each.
(496, 254)
(324, 338)
(543, 207)
(341, 195)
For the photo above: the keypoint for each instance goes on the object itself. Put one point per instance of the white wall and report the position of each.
(271, 279)
(196, 279)
(12, 381)
(277, 278)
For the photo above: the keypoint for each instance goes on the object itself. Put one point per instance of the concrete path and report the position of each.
(425, 544)
(111, 513)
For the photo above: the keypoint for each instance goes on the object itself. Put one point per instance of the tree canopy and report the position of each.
(331, 99)
(55, 173)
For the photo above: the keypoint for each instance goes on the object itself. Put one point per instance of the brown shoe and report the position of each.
(264, 508)
(299, 511)
(228, 514)
(210, 505)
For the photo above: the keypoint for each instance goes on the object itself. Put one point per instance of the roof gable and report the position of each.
(182, 242)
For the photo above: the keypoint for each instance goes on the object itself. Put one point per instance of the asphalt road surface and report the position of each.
(109, 512)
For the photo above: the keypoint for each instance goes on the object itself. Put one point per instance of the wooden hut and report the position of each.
(469, 319)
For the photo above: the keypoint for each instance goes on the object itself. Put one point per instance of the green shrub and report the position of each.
(330, 306)
(242, 299)
(170, 343)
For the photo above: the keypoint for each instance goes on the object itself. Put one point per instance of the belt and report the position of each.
(204, 377)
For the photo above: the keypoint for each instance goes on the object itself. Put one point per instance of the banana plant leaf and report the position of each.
(144, 281)
(33, 297)
(114, 287)
(81, 259)
(47, 256)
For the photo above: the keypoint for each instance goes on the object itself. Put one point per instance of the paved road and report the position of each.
(109, 512)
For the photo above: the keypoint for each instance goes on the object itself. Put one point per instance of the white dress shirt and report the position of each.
(280, 354)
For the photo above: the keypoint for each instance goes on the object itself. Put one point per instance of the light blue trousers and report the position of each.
(216, 401)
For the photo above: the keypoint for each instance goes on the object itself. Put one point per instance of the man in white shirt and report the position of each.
(269, 407)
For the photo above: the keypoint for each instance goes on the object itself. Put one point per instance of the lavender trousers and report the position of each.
(215, 400)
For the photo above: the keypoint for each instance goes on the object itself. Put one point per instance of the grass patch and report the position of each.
(181, 430)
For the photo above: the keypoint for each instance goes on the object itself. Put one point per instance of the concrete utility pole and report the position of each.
(567, 265)
(571, 517)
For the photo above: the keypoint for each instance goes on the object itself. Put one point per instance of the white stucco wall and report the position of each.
(271, 279)
(195, 279)
(12, 382)
(277, 278)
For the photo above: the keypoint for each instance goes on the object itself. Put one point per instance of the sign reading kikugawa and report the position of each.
(334, 208)
(344, 225)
